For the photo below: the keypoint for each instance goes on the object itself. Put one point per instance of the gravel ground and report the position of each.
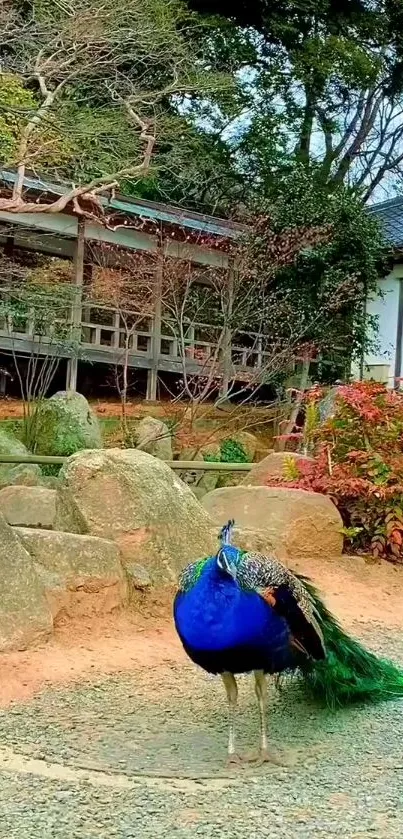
(140, 757)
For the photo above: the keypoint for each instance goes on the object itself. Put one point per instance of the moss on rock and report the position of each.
(66, 425)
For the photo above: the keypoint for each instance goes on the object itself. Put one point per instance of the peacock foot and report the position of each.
(265, 756)
(234, 759)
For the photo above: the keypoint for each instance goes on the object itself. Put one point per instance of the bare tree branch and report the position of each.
(135, 56)
(371, 110)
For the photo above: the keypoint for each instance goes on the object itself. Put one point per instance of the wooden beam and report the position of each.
(196, 253)
(123, 237)
(96, 355)
(65, 226)
(57, 223)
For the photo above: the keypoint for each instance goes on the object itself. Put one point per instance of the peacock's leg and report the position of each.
(261, 692)
(231, 688)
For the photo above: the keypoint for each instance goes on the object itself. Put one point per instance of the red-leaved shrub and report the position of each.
(359, 463)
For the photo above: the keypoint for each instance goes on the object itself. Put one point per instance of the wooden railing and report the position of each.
(177, 465)
(107, 329)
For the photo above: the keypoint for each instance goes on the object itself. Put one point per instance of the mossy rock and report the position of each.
(26, 474)
(154, 437)
(66, 425)
(20, 474)
(9, 444)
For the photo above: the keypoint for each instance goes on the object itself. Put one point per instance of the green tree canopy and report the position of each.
(317, 299)
(317, 81)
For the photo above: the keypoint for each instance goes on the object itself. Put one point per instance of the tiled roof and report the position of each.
(390, 214)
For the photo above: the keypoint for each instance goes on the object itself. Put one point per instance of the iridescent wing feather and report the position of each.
(287, 594)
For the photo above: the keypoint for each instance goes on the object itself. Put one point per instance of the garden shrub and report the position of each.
(359, 463)
(231, 451)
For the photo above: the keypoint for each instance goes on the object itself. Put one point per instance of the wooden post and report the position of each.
(152, 375)
(76, 307)
(397, 383)
(227, 337)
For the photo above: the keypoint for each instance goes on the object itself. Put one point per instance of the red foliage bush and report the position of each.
(359, 463)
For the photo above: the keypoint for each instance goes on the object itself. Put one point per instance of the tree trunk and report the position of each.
(296, 407)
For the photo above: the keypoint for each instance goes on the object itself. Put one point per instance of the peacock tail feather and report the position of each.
(350, 673)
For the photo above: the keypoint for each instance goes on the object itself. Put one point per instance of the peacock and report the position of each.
(241, 611)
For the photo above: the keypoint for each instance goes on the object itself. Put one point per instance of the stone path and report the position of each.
(143, 756)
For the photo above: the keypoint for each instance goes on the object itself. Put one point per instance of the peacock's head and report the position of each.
(228, 556)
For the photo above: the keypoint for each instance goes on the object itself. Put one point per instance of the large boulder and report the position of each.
(154, 437)
(81, 575)
(305, 524)
(258, 541)
(28, 506)
(25, 616)
(272, 466)
(137, 501)
(67, 424)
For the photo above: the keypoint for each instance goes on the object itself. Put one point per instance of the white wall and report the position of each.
(380, 364)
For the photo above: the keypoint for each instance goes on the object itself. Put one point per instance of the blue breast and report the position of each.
(223, 627)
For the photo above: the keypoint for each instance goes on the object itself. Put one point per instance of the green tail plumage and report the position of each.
(350, 673)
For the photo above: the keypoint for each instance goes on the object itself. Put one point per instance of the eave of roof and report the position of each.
(389, 212)
(141, 208)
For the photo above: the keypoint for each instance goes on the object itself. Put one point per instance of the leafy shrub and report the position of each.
(290, 468)
(51, 470)
(231, 451)
(359, 463)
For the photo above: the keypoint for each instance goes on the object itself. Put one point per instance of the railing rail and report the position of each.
(110, 329)
(179, 465)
